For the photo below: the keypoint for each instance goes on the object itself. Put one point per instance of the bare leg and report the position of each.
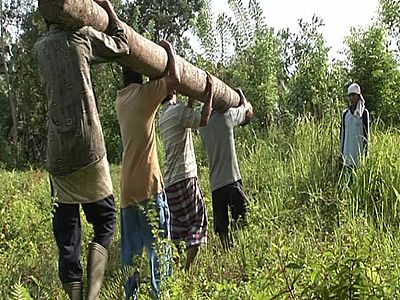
(191, 255)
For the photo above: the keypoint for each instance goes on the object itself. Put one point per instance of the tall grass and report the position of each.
(310, 235)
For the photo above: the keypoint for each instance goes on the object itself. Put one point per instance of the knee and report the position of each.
(104, 230)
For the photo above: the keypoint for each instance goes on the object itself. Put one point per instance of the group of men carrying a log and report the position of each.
(80, 174)
(152, 205)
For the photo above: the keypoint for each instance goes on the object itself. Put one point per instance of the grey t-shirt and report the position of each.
(220, 143)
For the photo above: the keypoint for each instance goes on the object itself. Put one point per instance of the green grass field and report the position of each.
(309, 235)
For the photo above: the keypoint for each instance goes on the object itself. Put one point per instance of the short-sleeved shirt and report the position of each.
(353, 137)
(75, 139)
(136, 106)
(176, 124)
(220, 143)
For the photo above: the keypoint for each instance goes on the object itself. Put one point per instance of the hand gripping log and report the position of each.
(145, 56)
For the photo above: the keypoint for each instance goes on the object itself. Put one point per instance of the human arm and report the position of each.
(190, 102)
(207, 107)
(112, 16)
(112, 45)
(366, 130)
(158, 89)
(193, 119)
(242, 114)
(341, 143)
(173, 77)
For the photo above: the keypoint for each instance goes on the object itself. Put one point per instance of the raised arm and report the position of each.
(247, 107)
(173, 77)
(108, 46)
(207, 107)
(114, 21)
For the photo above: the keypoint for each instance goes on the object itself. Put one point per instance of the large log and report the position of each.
(146, 57)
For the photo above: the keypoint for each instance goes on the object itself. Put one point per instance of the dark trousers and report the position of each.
(231, 197)
(67, 232)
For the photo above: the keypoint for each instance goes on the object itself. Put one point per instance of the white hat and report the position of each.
(354, 88)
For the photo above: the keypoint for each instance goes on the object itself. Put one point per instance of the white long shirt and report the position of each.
(354, 133)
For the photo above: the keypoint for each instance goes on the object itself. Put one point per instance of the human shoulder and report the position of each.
(155, 83)
(88, 32)
(170, 112)
(155, 89)
(234, 110)
(51, 36)
(39, 43)
(236, 114)
(127, 91)
(176, 107)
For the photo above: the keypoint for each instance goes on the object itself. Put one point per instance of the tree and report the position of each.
(390, 17)
(256, 70)
(164, 20)
(243, 50)
(374, 67)
(31, 99)
(308, 89)
(13, 15)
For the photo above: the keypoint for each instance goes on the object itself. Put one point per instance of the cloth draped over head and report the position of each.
(354, 88)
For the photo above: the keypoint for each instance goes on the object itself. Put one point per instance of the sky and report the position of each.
(338, 16)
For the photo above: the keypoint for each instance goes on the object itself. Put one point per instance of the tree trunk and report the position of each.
(146, 57)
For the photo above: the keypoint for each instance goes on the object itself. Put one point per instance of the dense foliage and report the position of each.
(309, 235)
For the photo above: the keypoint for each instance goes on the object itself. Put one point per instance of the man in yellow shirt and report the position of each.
(141, 182)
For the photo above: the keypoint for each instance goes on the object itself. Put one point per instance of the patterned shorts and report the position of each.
(188, 212)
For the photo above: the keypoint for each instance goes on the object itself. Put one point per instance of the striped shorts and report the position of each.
(188, 212)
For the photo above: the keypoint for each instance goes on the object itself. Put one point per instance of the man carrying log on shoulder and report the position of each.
(76, 153)
(145, 214)
(225, 179)
(185, 199)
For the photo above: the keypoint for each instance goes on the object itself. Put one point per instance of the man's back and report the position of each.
(218, 137)
(176, 122)
(136, 109)
(75, 138)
